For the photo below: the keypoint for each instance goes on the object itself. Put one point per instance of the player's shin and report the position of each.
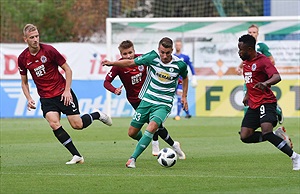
(64, 138)
(279, 143)
(256, 137)
(164, 134)
(142, 144)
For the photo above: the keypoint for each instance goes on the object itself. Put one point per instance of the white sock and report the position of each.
(294, 155)
(154, 142)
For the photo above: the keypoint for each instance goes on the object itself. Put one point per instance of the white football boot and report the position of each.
(281, 132)
(130, 163)
(177, 149)
(104, 118)
(155, 148)
(296, 162)
(76, 159)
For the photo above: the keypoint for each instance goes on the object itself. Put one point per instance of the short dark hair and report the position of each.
(248, 40)
(126, 44)
(166, 42)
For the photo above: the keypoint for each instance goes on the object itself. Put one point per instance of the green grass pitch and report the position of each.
(33, 161)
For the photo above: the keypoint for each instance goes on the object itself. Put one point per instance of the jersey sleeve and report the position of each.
(264, 49)
(183, 70)
(57, 57)
(109, 78)
(269, 68)
(21, 65)
(145, 59)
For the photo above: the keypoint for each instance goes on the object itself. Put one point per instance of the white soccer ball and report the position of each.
(167, 157)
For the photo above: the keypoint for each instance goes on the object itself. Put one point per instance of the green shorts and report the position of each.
(147, 112)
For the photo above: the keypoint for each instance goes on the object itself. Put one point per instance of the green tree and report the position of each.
(51, 16)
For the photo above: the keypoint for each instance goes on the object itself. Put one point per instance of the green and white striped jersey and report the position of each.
(162, 79)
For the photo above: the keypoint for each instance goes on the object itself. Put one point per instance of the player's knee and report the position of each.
(76, 125)
(132, 132)
(243, 138)
(76, 122)
(54, 125)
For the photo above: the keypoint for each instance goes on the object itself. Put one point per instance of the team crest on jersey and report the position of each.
(253, 67)
(43, 59)
(141, 68)
(171, 70)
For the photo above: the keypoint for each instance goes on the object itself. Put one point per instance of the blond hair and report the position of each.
(254, 26)
(29, 28)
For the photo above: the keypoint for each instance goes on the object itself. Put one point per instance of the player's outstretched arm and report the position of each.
(120, 63)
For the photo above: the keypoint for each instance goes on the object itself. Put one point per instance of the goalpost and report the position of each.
(207, 40)
(136, 29)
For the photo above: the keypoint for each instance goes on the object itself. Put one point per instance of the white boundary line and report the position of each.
(150, 175)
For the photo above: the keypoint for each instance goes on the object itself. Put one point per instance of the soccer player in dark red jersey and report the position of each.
(259, 74)
(263, 49)
(56, 95)
(133, 79)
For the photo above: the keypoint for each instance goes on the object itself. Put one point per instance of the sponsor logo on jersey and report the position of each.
(248, 77)
(136, 78)
(40, 70)
(164, 76)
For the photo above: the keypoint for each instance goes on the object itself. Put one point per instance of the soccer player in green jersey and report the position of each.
(157, 93)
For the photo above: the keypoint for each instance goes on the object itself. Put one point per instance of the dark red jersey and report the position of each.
(257, 70)
(43, 68)
(132, 79)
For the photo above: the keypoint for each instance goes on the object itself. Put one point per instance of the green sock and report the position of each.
(142, 144)
(278, 111)
(138, 136)
(245, 109)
